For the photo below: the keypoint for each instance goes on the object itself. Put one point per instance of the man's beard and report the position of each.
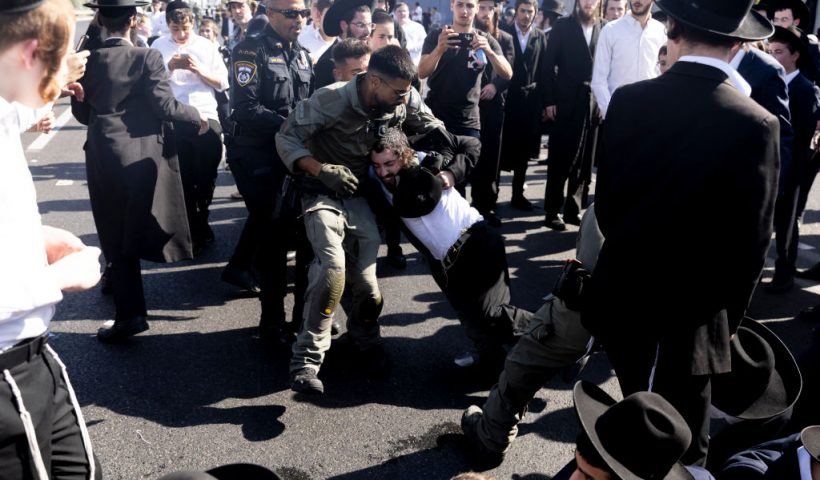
(646, 7)
(350, 35)
(584, 16)
(483, 25)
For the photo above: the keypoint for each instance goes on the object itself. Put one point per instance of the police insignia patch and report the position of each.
(244, 72)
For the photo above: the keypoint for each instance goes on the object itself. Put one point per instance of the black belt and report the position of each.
(23, 352)
(452, 254)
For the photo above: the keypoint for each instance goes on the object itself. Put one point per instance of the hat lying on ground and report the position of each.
(640, 437)
(765, 380)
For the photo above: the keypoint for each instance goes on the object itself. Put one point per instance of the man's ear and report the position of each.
(796, 22)
(337, 74)
(28, 52)
(343, 26)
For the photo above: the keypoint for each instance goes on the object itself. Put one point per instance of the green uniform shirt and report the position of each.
(334, 127)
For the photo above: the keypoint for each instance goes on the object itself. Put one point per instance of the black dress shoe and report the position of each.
(521, 203)
(812, 273)
(492, 218)
(122, 329)
(396, 258)
(572, 220)
(781, 283)
(554, 222)
(106, 282)
(240, 278)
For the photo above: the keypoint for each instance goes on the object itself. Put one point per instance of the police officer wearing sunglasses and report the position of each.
(270, 73)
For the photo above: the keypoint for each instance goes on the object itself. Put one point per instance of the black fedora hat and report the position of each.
(337, 11)
(19, 6)
(554, 6)
(765, 380)
(725, 18)
(417, 191)
(799, 10)
(640, 437)
(117, 3)
(810, 437)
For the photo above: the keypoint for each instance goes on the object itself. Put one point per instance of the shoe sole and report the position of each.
(308, 388)
(119, 336)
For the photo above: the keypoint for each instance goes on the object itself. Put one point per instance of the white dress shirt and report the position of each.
(414, 34)
(439, 229)
(734, 78)
(159, 25)
(312, 40)
(625, 53)
(804, 461)
(188, 88)
(523, 38)
(28, 291)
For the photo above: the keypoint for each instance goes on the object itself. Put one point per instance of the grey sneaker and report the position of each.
(469, 425)
(305, 380)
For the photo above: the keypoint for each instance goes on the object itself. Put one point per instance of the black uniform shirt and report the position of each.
(267, 80)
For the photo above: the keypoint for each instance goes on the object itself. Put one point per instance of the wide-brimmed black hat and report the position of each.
(117, 3)
(725, 18)
(640, 437)
(337, 11)
(554, 6)
(19, 6)
(799, 10)
(417, 192)
(810, 437)
(765, 380)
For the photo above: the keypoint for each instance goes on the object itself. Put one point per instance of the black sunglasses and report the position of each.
(292, 13)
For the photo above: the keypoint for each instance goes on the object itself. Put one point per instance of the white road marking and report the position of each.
(803, 246)
(40, 142)
(64, 183)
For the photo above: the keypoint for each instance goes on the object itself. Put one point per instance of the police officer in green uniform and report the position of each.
(270, 73)
(327, 139)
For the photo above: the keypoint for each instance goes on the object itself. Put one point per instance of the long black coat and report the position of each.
(131, 163)
(521, 139)
(569, 56)
(684, 198)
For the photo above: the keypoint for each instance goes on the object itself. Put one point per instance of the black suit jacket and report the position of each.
(133, 174)
(768, 81)
(804, 102)
(567, 75)
(684, 198)
(525, 99)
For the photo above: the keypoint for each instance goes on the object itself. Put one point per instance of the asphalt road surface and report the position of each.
(199, 390)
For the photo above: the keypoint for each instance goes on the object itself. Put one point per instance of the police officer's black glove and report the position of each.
(338, 178)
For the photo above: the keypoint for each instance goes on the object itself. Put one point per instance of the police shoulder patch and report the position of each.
(244, 72)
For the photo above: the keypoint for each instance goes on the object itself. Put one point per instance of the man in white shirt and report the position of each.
(159, 26)
(418, 13)
(313, 37)
(196, 69)
(627, 51)
(413, 31)
(466, 257)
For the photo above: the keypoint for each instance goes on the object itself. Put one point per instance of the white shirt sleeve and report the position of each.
(600, 70)
(218, 67)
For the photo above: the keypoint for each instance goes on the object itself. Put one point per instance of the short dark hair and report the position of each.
(117, 19)
(662, 51)
(322, 4)
(349, 48)
(697, 36)
(381, 17)
(394, 62)
(348, 16)
(179, 15)
(793, 44)
(518, 3)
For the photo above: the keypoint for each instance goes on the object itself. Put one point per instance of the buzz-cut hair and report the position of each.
(349, 48)
(392, 61)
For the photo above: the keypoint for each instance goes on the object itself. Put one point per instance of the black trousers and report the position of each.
(265, 241)
(477, 285)
(129, 297)
(785, 214)
(484, 179)
(633, 358)
(199, 157)
(44, 394)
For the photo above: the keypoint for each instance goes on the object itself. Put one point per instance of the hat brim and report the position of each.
(590, 403)
(334, 14)
(754, 26)
(810, 437)
(785, 366)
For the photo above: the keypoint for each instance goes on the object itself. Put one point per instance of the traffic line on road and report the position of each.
(64, 183)
(40, 142)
